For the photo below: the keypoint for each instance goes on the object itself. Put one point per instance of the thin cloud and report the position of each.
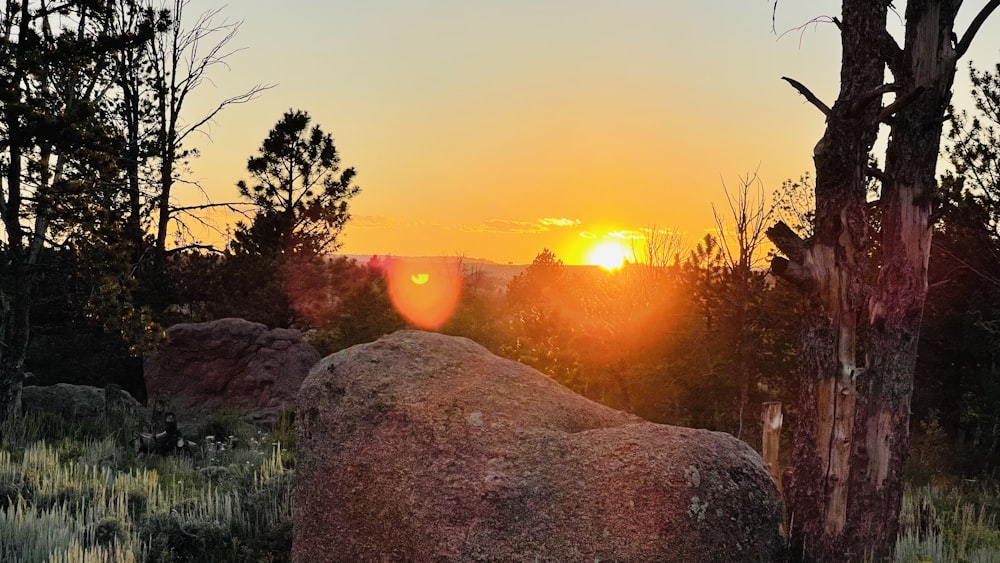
(521, 227)
(627, 234)
(505, 226)
(558, 222)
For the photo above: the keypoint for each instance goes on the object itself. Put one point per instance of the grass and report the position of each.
(75, 493)
(950, 523)
(84, 497)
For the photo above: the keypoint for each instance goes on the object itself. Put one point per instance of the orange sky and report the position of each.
(496, 129)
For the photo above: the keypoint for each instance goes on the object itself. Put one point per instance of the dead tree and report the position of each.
(860, 337)
(180, 60)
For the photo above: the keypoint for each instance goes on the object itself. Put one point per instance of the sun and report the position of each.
(609, 255)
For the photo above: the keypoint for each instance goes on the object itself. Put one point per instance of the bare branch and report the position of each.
(891, 52)
(877, 174)
(900, 103)
(868, 97)
(974, 27)
(789, 243)
(749, 215)
(813, 22)
(207, 247)
(965, 264)
(230, 204)
(792, 273)
(659, 247)
(808, 95)
(183, 226)
(243, 98)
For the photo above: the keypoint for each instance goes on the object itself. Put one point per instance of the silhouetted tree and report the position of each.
(974, 150)
(963, 301)
(179, 60)
(299, 190)
(59, 187)
(537, 333)
(741, 236)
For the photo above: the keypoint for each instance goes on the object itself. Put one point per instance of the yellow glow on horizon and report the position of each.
(600, 79)
(610, 255)
(420, 279)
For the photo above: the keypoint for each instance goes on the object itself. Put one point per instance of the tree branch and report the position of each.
(868, 97)
(247, 96)
(900, 103)
(207, 247)
(977, 23)
(808, 95)
(877, 174)
(792, 273)
(789, 243)
(891, 52)
(228, 204)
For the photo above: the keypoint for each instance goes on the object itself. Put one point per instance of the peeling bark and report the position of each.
(860, 339)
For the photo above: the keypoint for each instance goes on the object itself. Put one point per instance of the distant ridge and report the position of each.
(489, 275)
(465, 259)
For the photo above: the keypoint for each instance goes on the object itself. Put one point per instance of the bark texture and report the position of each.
(860, 339)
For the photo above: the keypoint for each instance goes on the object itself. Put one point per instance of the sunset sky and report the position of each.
(496, 129)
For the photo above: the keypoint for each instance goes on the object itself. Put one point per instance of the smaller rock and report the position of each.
(85, 404)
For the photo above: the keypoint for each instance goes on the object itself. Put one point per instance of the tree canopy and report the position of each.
(300, 192)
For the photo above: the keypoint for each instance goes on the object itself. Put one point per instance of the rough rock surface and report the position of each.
(227, 365)
(81, 402)
(424, 447)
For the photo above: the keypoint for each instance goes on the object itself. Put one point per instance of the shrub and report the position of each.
(228, 427)
(89, 501)
(171, 538)
(942, 524)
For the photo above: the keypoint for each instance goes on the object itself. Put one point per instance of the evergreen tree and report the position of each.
(299, 190)
(57, 159)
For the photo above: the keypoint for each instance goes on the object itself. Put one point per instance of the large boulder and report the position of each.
(424, 447)
(227, 365)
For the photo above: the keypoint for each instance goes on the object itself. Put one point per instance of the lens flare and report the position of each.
(425, 293)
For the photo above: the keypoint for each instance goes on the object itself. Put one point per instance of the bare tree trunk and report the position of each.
(770, 448)
(15, 342)
(180, 60)
(16, 283)
(860, 342)
(925, 73)
(836, 261)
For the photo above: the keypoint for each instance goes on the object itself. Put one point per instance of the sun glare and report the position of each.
(609, 255)
(424, 293)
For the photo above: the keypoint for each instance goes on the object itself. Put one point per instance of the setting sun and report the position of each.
(610, 255)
